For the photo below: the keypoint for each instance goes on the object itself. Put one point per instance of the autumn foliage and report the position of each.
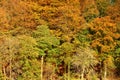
(59, 39)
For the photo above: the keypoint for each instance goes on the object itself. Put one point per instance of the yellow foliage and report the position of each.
(109, 62)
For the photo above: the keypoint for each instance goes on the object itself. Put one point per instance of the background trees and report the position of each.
(59, 39)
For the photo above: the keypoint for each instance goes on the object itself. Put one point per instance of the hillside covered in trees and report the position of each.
(59, 39)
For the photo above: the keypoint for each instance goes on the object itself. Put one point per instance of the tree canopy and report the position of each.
(59, 39)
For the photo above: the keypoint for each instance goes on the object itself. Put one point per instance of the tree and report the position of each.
(117, 57)
(67, 50)
(8, 49)
(48, 44)
(84, 60)
(27, 63)
(103, 33)
(61, 16)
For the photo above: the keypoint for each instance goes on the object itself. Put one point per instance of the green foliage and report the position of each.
(28, 47)
(90, 11)
(67, 47)
(48, 46)
(117, 63)
(44, 39)
(41, 31)
(102, 6)
(82, 36)
(66, 50)
(28, 54)
(112, 1)
(54, 52)
(117, 52)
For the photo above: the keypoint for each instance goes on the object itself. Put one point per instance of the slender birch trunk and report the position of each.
(105, 72)
(42, 62)
(82, 74)
(10, 76)
(4, 73)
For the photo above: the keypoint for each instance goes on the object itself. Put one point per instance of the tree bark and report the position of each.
(68, 70)
(105, 72)
(82, 74)
(42, 62)
(4, 73)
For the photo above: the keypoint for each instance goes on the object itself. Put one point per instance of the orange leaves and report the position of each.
(63, 16)
(104, 33)
(16, 13)
(3, 19)
(104, 24)
(114, 11)
(59, 13)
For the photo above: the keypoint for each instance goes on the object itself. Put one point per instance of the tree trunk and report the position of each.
(10, 71)
(4, 73)
(68, 70)
(42, 62)
(105, 72)
(10, 76)
(65, 75)
(82, 74)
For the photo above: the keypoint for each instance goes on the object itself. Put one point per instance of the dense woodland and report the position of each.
(59, 39)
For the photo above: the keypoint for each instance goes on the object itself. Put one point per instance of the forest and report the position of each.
(59, 39)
